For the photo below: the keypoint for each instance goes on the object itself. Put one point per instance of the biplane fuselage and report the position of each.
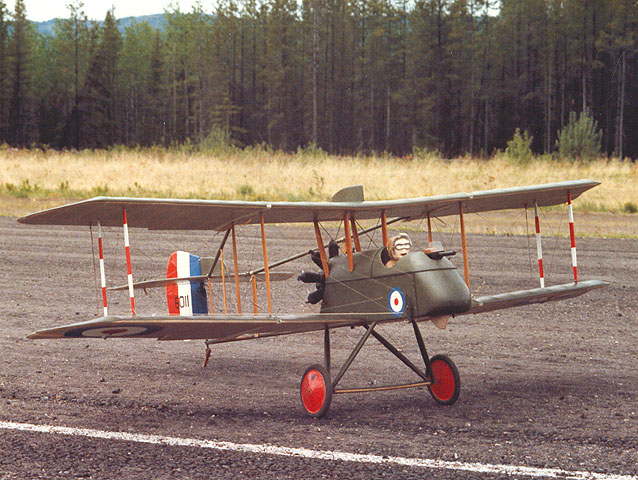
(429, 286)
(357, 288)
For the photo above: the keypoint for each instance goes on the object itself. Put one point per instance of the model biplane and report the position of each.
(355, 287)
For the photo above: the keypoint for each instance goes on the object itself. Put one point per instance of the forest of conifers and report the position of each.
(347, 76)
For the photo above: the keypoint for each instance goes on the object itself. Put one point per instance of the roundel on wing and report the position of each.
(112, 331)
(396, 301)
(123, 331)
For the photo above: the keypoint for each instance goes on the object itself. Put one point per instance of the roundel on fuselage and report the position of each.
(396, 301)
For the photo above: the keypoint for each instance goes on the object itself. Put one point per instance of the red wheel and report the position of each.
(446, 384)
(316, 391)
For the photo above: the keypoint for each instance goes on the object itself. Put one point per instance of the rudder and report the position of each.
(185, 298)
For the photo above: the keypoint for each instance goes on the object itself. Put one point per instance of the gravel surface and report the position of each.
(552, 385)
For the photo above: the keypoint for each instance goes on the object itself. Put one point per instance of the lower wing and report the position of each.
(216, 328)
(227, 328)
(519, 298)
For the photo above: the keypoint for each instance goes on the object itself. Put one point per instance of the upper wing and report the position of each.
(175, 214)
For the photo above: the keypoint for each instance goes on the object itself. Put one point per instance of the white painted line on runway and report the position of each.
(317, 454)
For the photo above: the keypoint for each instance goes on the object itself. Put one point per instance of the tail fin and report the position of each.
(185, 298)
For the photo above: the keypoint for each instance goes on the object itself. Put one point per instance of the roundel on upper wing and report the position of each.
(396, 301)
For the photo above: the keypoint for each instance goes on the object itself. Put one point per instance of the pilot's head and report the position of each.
(399, 246)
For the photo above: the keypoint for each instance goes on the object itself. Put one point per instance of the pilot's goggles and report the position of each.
(403, 245)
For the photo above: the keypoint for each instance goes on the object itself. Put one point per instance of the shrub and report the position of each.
(24, 190)
(218, 141)
(311, 150)
(519, 147)
(579, 139)
(246, 191)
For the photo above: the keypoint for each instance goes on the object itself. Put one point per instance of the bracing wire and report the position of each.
(529, 247)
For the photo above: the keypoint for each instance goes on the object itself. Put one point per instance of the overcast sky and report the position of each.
(43, 10)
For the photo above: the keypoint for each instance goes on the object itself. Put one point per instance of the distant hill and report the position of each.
(157, 21)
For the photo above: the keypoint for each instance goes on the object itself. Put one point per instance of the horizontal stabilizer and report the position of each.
(519, 298)
(245, 277)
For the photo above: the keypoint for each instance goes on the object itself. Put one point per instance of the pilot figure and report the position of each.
(398, 247)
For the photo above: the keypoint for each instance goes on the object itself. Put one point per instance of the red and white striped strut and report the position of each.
(539, 247)
(129, 273)
(572, 236)
(102, 275)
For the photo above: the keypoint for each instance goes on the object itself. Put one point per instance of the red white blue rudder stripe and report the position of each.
(185, 298)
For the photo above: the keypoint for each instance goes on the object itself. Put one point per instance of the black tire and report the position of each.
(316, 391)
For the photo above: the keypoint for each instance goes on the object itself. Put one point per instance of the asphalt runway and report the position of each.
(547, 390)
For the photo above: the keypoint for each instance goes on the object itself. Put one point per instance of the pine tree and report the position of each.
(154, 127)
(21, 119)
(618, 41)
(70, 57)
(177, 40)
(98, 107)
(4, 73)
(138, 50)
(282, 75)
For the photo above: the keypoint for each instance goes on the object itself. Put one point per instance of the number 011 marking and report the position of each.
(182, 301)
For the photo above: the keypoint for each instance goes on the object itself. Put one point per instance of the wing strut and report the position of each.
(224, 283)
(212, 268)
(253, 282)
(539, 246)
(102, 274)
(236, 266)
(219, 250)
(572, 235)
(346, 226)
(355, 234)
(266, 266)
(384, 228)
(429, 229)
(322, 249)
(127, 249)
(210, 296)
(464, 243)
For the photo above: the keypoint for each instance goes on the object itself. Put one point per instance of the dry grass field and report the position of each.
(33, 179)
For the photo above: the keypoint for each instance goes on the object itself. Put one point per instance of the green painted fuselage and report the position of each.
(430, 287)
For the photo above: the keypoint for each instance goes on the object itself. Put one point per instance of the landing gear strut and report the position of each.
(440, 376)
